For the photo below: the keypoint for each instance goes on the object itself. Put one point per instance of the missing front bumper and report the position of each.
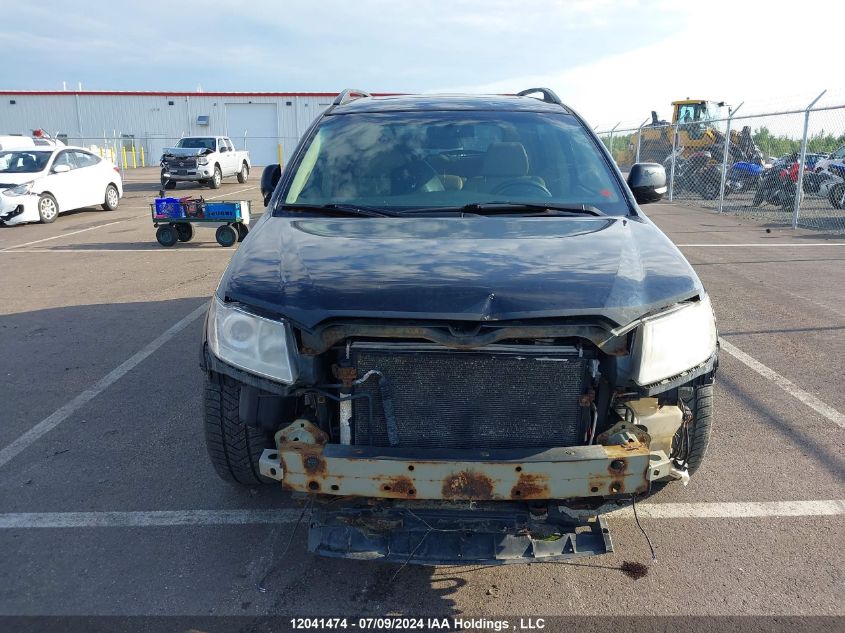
(432, 536)
(303, 463)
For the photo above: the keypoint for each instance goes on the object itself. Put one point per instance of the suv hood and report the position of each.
(474, 269)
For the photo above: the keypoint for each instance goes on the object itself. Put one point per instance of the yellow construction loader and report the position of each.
(695, 127)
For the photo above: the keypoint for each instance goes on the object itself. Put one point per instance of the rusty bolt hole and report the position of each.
(518, 469)
(517, 493)
(617, 464)
(273, 456)
(594, 489)
(412, 492)
(313, 485)
(656, 472)
(385, 487)
(272, 471)
(335, 487)
(411, 467)
(614, 487)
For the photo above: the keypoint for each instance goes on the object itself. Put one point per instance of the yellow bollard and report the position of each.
(142, 155)
(280, 153)
(134, 162)
(111, 149)
(101, 151)
(123, 156)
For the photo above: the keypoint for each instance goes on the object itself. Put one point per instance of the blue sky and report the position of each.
(613, 60)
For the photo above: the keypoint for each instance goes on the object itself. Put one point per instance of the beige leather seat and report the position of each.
(504, 161)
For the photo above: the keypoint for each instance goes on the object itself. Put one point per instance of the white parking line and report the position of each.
(787, 385)
(779, 245)
(165, 518)
(195, 249)
(56, 237)
(60, 415)
(231, 193)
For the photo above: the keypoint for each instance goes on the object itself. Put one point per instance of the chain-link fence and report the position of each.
(747, 164)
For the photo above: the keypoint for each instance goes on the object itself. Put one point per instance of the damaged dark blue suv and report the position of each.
(454, 330)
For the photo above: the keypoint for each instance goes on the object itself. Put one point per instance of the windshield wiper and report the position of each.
(345, 209)
(523, 208)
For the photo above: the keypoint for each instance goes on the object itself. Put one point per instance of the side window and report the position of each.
(84, 159)
(221, 144)
(64, 158)
(229, 143)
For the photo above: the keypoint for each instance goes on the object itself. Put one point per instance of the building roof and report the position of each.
(160, 93)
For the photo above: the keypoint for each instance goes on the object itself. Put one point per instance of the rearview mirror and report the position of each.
(647, 182)
(269, 179)
(223, 148)
(60, 169)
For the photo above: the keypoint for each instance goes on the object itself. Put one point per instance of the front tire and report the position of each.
(233, 447)
(243, 174)
(698, 430)
(217, 178)
(167, 183)
(835, 196)
(48, 208)
(111, 199)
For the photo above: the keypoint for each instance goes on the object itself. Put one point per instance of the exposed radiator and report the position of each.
(517, 397)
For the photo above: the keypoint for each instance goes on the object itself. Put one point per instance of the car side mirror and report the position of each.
(269, 179)
(61, 169)
(647, 182)
(224, 149)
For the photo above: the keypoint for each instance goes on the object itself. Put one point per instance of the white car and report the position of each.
(836, 157)
(38, 183)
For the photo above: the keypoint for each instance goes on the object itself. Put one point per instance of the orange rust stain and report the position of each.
(311, 460)
(401, 487)
(599, 482)
(531, 487)
(467, 485)
(614, 472)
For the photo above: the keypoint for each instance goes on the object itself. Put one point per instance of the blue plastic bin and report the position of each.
(169, 208)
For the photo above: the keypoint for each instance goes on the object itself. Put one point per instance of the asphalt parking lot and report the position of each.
(109, 506)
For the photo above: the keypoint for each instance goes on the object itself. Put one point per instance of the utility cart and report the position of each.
(174, 219)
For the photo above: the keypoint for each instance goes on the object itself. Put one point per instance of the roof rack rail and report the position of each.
(350, 94)
(548, 95)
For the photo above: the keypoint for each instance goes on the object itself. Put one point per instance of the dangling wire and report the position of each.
(637, 519)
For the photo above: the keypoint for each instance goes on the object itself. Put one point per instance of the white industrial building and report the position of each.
(265, 123)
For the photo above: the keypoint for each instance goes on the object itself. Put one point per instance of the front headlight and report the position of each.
(20, 190)
(202, 161)
(667, 345)
(255, 344)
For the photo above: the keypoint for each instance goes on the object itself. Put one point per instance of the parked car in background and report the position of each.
(837, 157)
(14, 141)
(204, 159)
(39, 183)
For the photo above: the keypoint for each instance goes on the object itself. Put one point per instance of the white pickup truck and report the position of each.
(204, 159)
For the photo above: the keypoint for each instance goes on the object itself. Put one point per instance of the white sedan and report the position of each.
(36, 184)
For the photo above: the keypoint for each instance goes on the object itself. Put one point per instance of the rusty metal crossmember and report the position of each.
(511, 474)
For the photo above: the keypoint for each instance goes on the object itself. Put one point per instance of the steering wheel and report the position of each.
(519, 186)
(419, 175)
